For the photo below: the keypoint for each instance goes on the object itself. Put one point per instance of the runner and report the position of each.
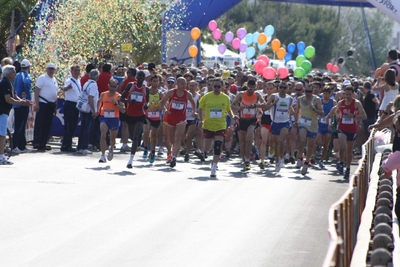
(214, 106)
(176, 115)
(110, 107)
(247, 102)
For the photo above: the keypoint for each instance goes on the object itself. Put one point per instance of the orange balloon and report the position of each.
(280, 54)
(275, 44)
(193, 51)
(262, 38)
(195, 33)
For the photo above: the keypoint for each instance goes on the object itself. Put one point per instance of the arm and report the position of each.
(318, 107)
(100, 103)
(120, 105)
(270, 103)
(123, 94)
(37, 92)
(361, 112)
(189, 97)
(235, 104)
(164, 100)
(14, 101)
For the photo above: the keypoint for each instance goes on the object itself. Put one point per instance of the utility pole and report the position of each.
(12, 34)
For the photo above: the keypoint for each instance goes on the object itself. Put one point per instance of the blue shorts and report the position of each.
(3, 124)
(309, 134)
(323, 129)
(112, 123)
(350, 136)
(277, 127)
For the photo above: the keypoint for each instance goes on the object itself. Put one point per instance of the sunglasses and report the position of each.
(217, 86)
(308, 91)
(249, 88)
(299, 90)
(170, 82)
(113, 86)
(282, 87)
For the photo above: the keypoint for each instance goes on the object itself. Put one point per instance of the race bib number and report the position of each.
(178, 105)
(215, 113)
(249, 111)
(137, 96)
(323, 120)
(189, 111)
(347, 120)
(153, 114)
(305, 121)
(109, 113)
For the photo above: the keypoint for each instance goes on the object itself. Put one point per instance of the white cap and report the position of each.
(51, 66)
(346, 83)
(25, 63)
(146, 73)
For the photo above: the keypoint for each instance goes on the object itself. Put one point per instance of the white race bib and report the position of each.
(305, 121)
(249, 111)
(153, 114)
(215, 113)
(178, 105)
(347, 120)
(189, 111)
(109, 113)
(137, 96)
(323, 120)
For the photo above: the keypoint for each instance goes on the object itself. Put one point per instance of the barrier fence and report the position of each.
(345, 214)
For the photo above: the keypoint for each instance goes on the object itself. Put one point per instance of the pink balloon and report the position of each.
(335, 68)
(222, 49)
(217, 34)
(212, 25)
(259, 65)
(236, 43)
(229, 37)
(283, 72)
(243, 48)
(269, 73)
(264, 58)
(241, 33)
(329, 66)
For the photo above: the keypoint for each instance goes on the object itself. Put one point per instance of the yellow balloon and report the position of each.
(195, 33)
(193, 51)
(275, 44)
(262, 38)
(280, 54)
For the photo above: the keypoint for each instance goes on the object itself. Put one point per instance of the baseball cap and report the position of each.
(171, 79)
(51, 66)
(233, 88)
(198, 79)
(226, 74)
(346, 83)
(145, 65)
(25, 63)
(146, 73)
(354, 80)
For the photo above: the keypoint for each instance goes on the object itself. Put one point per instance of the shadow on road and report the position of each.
(99, 168)
(203, 178)
(339, 181)
(122, 173)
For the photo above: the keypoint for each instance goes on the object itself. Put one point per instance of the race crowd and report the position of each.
(202, 110)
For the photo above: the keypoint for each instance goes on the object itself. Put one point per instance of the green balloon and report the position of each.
(299, 60)
(299, 72)
(306, 65)
(309, 52)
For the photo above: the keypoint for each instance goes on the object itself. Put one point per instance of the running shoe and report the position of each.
(247, 166)
(341, 168)
(129, 165)
(346, 174)
(281, 163)
(173, 162)
(304, 169)
(152, 157)
(5, 161)
(160, 151)
(213, 171)
(261, 165)
(292, 160)
(125, 148)
(299, 163)
(87, 152)
(186, 158)
(277, 167)
(312, 161)
(28, 150)
(110, 155)
(145, 154)
(169, 158)
(16, 151)
(102, 159)
(321, 164)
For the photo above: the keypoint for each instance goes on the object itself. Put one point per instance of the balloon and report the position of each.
(335, 68)
(259, 65)
(264, 58)
(309, 52)
(269, 30)
(299, 60)
(222, 49)
(291, 48)
(301, 46)
(229, 37)
(269, 38)
(195, 33)
(262, 38)
(329, 66)
(269, 73)
(300, 53)
(262, 47)
(249, 39)
(193, 51)
(212, 25)
(283, 72)
(241, 33)
(236, 43)
(288, 57)
(299, 72)
(306, 65)
(217, 34)
(255, 37)
(275, 44)
(280, 54)
(340, 60)
(350, 53)
(243, 47)
(250, 52)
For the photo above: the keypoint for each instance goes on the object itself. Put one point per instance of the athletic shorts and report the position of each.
(154, 123)
(323, 129)
(309, 133)
(191, 122)
(112, 123)
(335, 135)
(134, 120)
(350, 136)
(267, 126)
(211, 134)
(245, 123)
(122, 116)
(276, 127)
(3, 124)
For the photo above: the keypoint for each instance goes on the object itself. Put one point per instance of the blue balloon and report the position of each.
(262, 47)
(212, 58)
(300, 53)
(255, 37)
(288, 57)
(249, 38)
(250, 52)
(291, 48)
(301, 46)
(269, 30)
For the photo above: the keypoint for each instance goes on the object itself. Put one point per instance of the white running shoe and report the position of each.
(86, 152)
(281, 163)
(17, 151)
(110, 155)
(5, 161)
(214, 167)
(299, 163)
(27, 150)
(277, 167)
(102, 159)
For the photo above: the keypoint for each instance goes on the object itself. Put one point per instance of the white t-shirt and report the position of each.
(91, 89)
(48, 88)
(73, 93)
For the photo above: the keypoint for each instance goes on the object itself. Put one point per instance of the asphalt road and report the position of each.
(60, 209)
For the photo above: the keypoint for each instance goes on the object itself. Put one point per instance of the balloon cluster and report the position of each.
(261, 66)
(303, 65)
(193, 50)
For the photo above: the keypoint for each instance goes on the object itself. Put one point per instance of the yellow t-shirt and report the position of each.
(215, 107)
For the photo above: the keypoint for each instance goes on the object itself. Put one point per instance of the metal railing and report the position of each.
(345, 214)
